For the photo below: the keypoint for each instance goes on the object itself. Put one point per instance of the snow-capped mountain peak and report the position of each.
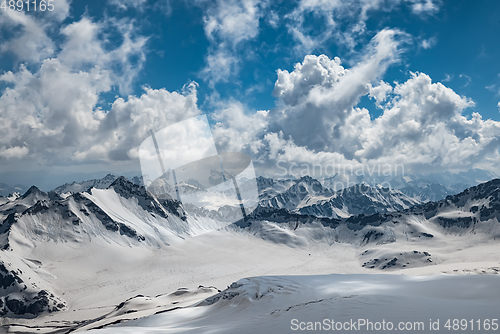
(308, 196)
(75, 187)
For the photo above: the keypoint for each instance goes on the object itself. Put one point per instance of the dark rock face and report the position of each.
(463, 222)
(401, 261)
(372, 236)
(8, 278)
(391, 263)
(227, 294)
(129, 232)
(42, 302)
(5, 229)
(284, 216)
(489, 212)
(16, 300)
(160, 207)
(33, 190)
(373, 220)
(105, 219)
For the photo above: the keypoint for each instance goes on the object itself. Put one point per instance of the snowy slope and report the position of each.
(399, 239)
(124, 215)
(23, 293)
(285, 304)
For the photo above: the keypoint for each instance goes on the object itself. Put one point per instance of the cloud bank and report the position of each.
(422, 124)
(51, 111)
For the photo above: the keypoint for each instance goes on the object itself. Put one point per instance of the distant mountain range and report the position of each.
(6, 190)
(308, 196)
(422, 187)
(476, 210)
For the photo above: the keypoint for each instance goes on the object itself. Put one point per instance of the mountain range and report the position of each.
(102, 240)
(308, 196)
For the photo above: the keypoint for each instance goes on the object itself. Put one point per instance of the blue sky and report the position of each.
(104, 64)
(463, 49)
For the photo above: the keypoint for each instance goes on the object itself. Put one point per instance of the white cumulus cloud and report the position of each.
(228, 24)
(422, 125)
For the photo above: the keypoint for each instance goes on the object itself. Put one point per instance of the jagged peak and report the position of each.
(109, 176)
(121, 181)
(264, 182)
(125, 188)
(33, 190)
(54, 196)
(306, 178)
(85, 186)
(482, 190)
